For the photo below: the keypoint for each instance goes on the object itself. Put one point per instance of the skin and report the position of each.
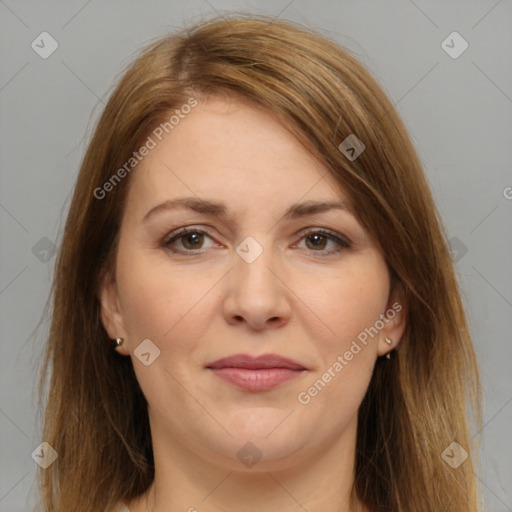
(290, 301)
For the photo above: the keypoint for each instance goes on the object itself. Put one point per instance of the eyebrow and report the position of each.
(218, 209)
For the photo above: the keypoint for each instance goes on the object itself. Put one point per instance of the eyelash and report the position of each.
(342, 244)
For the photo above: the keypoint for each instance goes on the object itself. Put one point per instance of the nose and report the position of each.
(256, 293)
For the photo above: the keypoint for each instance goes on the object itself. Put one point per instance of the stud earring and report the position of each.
(388, 341)
(117, 342)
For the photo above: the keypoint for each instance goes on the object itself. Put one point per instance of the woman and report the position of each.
(254, 303)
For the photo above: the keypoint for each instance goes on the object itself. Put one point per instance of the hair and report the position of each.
(417, 403)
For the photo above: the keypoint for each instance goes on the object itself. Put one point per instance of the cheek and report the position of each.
(141, 292)
(351, 301)
(350, 305)
(160, 303)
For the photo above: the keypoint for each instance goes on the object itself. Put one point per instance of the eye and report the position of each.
(191, 239)
(318, 239)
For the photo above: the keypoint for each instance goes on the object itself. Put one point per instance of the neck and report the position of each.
(185, 481)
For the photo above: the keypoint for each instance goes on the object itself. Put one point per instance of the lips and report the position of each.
(255, 363)
(256, 373)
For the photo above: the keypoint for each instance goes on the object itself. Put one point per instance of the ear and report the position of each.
(111, 314)
(395, 319)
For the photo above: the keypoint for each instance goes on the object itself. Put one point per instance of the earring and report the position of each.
(388, 341)
(117, 342)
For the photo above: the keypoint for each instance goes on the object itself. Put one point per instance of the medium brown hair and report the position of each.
(416, 404)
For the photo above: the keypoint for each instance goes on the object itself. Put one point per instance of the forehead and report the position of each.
(234, 151)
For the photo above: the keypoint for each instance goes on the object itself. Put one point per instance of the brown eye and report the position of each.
(193, 240)
(318, 241)
(186, 240)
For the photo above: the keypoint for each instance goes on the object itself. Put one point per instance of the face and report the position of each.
(256, 274)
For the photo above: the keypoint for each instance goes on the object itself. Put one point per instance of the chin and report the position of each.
(257, 454)
(272, 437)
(262, 423)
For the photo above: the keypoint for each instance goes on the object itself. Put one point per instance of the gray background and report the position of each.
(458, 112)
